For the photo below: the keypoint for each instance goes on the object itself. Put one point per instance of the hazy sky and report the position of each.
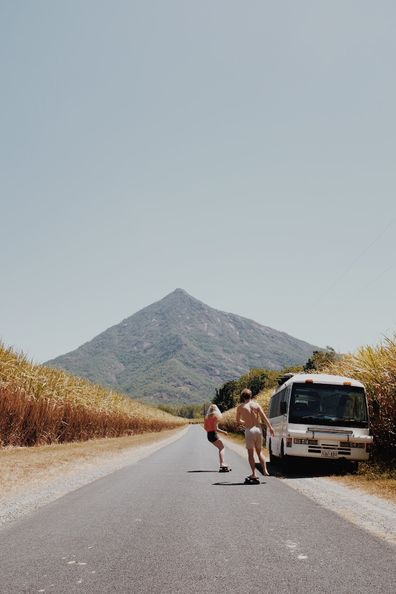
(243, 151)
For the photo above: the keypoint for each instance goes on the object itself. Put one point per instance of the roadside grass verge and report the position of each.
(40, 405)
(374, 479)
(22, 467)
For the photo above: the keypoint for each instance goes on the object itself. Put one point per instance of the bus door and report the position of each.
(277, 420)
(284, 411)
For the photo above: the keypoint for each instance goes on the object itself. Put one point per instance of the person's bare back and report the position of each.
(249, 414)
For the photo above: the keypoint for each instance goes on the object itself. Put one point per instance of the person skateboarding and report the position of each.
(250, 415)
(211, 421)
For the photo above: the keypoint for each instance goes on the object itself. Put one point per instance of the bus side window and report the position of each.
(273, 406)
(284, 400)
(279, 399)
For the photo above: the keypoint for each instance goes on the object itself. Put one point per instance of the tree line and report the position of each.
(227, 396)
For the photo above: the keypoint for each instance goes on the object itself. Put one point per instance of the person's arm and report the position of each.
(239, 422)
(217, 428)
(265, 420)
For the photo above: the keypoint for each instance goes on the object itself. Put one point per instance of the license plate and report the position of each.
(329, 453)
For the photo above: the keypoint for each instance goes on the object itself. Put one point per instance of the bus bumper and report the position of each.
(328, 445)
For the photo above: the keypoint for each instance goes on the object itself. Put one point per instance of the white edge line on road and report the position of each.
(18, 505)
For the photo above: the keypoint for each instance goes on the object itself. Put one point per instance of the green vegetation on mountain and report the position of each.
(178, 350)
(321, 360)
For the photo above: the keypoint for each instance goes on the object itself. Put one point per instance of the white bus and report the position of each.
(319, 416)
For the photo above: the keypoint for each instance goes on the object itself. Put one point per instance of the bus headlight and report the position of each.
(351, 444)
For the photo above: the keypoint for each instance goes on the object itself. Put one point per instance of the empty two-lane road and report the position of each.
(172, 524)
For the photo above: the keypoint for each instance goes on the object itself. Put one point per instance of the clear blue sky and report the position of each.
(243, 151)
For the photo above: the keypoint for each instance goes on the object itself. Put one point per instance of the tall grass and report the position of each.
(376, 368)
(40, 405)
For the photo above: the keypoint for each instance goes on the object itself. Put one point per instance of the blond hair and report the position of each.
(214, 411)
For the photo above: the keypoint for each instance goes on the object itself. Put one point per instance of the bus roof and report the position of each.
(320, 378)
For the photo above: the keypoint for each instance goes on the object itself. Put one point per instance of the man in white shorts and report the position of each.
(250, 415)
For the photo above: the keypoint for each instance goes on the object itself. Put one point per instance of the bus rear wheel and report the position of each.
(285, 460)
(272, 458)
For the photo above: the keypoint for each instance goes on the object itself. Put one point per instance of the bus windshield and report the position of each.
(325, 404)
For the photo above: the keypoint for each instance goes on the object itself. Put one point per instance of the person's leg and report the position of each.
(220, 446)
(263, 463)
(249, 440)
(258, 446)
(252, 462)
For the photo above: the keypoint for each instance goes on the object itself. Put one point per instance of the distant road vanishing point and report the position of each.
(172, 524)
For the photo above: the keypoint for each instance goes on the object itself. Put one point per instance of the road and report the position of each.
(172, 524)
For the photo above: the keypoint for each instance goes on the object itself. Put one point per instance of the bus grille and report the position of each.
(342, 451)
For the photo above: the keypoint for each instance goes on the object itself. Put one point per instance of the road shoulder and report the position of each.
(33, 477)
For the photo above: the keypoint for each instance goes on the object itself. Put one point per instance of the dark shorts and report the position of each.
(212, 436)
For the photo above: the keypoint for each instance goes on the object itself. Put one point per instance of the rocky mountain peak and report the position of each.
(179, 349)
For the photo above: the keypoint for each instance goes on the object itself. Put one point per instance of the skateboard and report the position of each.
(225, 469)
(252, 481)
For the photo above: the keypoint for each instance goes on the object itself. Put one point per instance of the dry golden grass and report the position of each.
(373, 479)
(40, 405)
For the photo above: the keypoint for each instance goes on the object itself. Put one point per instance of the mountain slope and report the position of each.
(179, 349)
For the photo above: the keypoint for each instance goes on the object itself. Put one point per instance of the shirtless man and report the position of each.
(249, 415)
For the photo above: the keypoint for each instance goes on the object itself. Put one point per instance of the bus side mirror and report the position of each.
(283, 408)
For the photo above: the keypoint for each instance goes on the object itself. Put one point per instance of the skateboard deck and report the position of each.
(252, 481)
(225, 469)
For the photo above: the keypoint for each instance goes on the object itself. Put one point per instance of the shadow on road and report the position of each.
(259, 468)
(228, 484)
(308, 468)
(243, 484)
(190, 471)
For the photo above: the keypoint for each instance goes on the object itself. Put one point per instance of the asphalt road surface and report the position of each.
(172, 524)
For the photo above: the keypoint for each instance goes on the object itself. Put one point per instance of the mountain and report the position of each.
(179, 350)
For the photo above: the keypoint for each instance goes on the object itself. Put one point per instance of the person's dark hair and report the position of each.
(246, 395)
